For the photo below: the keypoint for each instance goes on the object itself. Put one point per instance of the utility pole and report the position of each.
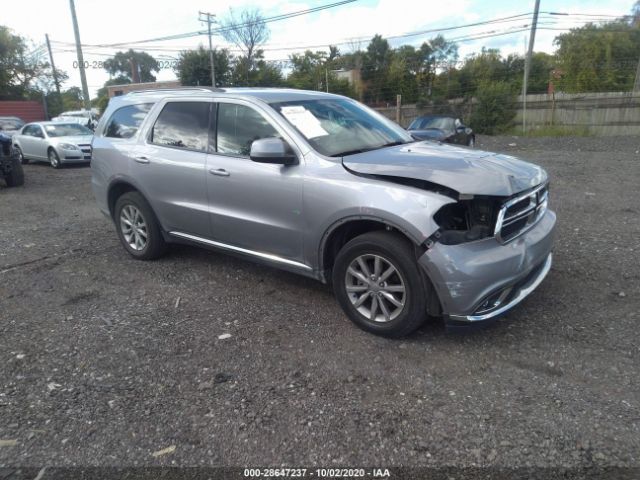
(53, 65)
(209, 18)
(527, 64)
(83, 77)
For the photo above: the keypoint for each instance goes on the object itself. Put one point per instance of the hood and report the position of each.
(75, 139)
(471, 172)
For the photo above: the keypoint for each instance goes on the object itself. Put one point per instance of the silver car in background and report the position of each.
(54, 142)
(321, 185)
(10, 125)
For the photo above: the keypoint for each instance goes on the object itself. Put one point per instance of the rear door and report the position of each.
(169, 164)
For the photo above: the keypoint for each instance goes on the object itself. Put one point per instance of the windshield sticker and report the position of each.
(304, 121)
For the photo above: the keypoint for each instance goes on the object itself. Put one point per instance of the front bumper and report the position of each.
(480, 280)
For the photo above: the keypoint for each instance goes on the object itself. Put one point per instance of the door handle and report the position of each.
(220, 172)
(141, 159)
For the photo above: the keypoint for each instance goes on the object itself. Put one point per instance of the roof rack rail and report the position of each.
(198, 89)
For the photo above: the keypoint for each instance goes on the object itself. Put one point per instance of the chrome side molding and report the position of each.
(245, 251)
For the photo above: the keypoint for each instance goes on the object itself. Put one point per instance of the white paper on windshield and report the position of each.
(304, 121)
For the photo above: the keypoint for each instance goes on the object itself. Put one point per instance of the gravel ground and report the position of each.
(105, 360)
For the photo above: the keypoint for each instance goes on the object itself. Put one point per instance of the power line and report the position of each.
(220, 30)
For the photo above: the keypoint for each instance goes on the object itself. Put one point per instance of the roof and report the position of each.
(53, 123)
(268, 95)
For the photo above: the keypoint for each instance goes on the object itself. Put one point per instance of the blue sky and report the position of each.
(350, 25)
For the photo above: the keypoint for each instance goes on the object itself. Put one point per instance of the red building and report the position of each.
(27, 110)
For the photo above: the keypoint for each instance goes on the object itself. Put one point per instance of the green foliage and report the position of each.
(72, 99)
(22, 75)
(494, 109)
(194, 67)
(599, 58)
(121, 64)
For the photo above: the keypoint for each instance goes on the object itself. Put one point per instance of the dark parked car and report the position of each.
(10, 166)
(442, 129)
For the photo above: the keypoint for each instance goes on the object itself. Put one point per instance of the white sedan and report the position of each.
(55, 142)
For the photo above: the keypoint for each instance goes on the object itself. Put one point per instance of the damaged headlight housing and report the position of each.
(466, 220)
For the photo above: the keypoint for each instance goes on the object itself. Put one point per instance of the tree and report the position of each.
(314, 71)
(495, 107)
(122, 63)
(375, 71)
(598, 58)
(260, 73)
(247, 30)
(22, 74)
(72, 99)
(194, 68)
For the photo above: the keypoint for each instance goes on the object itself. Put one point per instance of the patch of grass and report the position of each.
(551, 131)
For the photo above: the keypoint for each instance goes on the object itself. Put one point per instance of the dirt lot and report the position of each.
(100, 364)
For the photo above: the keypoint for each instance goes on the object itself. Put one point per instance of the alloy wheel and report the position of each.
(53, 159)
(375, 288)
(134, 228)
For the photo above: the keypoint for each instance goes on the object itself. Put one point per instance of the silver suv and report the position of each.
(321, 185)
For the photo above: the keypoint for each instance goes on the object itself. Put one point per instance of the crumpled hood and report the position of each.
(473, 172)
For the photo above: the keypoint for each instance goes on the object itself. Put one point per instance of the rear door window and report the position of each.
(125, 122)
(183, 125)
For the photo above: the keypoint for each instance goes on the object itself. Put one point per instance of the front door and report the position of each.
(254, 206)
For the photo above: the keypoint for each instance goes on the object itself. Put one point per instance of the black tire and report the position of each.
(23, 160)
(471, 143)
(155, 245)
(398, 252)
(54, 159)
(16, 176)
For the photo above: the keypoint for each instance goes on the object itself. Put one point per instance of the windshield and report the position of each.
(442, 123)
(67, 130)
(10, 124)
(336, 126)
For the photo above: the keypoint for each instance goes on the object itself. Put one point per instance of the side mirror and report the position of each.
(272, 150)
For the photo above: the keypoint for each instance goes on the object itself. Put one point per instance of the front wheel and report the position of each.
(54, 159)
(15, 178)
(378, 284)
(21, 158)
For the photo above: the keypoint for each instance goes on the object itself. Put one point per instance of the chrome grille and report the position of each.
(86, 151)
(520, 213)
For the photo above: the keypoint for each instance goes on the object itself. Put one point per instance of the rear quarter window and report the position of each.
(125, 122)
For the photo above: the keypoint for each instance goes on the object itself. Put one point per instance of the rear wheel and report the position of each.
(378, 284)
(471, 142)
(138, 229)
(54, 159)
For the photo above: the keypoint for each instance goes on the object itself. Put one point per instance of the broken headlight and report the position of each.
(466, 220)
